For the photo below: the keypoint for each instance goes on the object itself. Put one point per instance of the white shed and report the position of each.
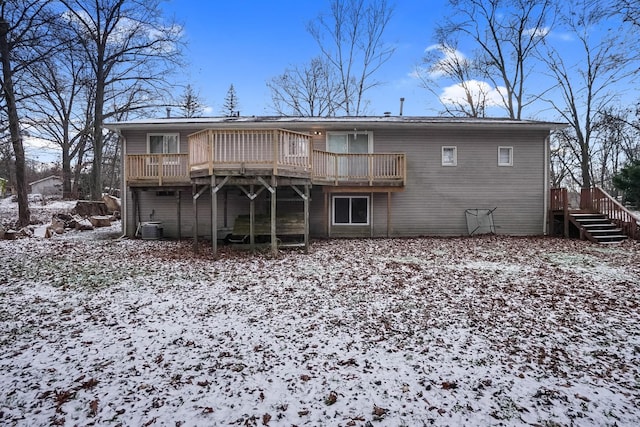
(49, 186)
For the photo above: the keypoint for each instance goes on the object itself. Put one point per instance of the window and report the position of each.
(159, 143)
(350, 142)
(505, 156)
(449, 156)
(349, 210)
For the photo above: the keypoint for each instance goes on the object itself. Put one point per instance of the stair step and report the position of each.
(581, 220)
(586, 215)
(594, 226)
(611, 237)
(607, 230)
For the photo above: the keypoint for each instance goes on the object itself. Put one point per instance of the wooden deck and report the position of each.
(279, 153)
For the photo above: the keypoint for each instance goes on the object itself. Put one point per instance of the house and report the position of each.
(267, 177)
(49, 186)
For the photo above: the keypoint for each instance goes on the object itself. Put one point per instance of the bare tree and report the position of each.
(310, 90)
(190, 103)
(505, 34)
(130, 50)
(350, 37)
(230, 105)
(61, 90)
(21, 25)
(585, 89)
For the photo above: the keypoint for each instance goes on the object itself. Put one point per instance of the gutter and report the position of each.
(123, 186)
(545, 214)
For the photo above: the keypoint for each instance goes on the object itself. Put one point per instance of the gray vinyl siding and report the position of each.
(433, 201)
(436, 197)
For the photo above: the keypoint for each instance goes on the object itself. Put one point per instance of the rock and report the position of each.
(100, 220)
(57, 225)
(87, 208)
(10, 234)
(113, 203)
(84, 224)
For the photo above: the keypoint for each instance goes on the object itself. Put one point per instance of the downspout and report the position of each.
(547, 160)
(123, 185)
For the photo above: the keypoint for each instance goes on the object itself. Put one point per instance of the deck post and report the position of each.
(327, 214)
(252, 214)
(195, 218)
(196, 196)
(306, 218)
(275, 136)
(214, 216)
(565, 210)
(388, 213)
(274, 240)
(178, 197)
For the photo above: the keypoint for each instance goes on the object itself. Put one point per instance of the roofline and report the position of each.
(45, 178)
(310, 122)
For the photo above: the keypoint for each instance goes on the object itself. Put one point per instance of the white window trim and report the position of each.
(369, 133)
(500, 162)
(333, 211)
(149, 135)
(455, 155)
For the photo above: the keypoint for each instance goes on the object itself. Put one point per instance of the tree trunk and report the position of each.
(98, 118)
(66, 173)
(24, 216)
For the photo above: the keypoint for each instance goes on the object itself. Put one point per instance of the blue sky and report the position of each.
(247, 42)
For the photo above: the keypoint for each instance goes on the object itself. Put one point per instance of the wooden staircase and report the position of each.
(601, 218)
(597, 227)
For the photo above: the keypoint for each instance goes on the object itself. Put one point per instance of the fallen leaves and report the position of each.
(442, 331)
(331, 398)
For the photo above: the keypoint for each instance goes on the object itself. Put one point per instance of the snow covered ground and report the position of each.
(460, 331)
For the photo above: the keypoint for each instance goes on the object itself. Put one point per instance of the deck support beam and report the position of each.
(214, 211)
(272, 189)
(252, 218)
(274, 238)
(136, 210)
(196, 196)
(305, 198)
(388, 214)
(306, 219)
(178, 213)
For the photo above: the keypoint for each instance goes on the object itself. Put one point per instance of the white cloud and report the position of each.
(538, 32)
(451, 58)
(457, 94)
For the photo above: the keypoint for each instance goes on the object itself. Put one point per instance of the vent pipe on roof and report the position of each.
(401, 105)
(168, 112)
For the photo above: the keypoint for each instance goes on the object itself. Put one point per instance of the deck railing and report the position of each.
(160, 169)
(598, 200)
(560, 203)
(559, 200)
(367, 167)
(279, 151)
(233, 149)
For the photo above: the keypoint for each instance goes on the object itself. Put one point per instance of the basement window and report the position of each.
(350, 210)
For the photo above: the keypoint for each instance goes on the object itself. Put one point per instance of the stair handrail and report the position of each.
(598, 200)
